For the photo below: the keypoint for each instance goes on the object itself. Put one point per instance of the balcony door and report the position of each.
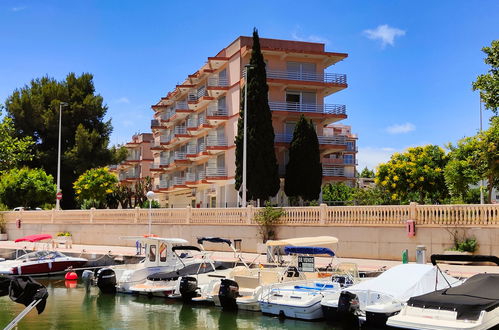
(301, 101)
(301, 70)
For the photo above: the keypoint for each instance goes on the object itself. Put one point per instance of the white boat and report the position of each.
(159, 258)
(302, 299)
(40, 263)
(374, 300)
(242, 291)
(473, 305)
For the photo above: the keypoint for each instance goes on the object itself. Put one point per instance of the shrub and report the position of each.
(267, 220)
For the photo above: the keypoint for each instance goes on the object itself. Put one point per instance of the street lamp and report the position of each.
(247, 67)
(150, 196)
(481, 181)
(57, 200)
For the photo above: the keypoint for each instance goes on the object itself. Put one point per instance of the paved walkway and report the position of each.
(363, 264)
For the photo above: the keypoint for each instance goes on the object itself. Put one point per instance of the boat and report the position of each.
(374, 300)
(166, 284)
(242, 291)
(301, 299)
(473, 305)
(159, 257)
(40, 263)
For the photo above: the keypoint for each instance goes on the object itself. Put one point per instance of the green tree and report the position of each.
(304, 170)
(262, 172)
(337, 192)
(13, 150)
(375, 195)
(95, 187)
(488, 157)
(26, 187)
(416, 173)
(488, 84)
(34, 110)
(366, 173)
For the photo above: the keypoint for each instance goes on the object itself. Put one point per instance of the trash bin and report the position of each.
(421, 254)
(405, 255)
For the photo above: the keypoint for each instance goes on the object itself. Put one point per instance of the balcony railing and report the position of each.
(196, 149)
(214, 111)
(217, 82)
(196, 176)
(178, 181)
(180, 155)
(180, 130)
(216, 171)
(308, 76)
(194, 96)
(196, 122)
(333, 171)
(338, 140)
(155, 123)
(181, 105)
(335, 109)
(216, 141)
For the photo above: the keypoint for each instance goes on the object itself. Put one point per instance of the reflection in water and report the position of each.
(79, 308)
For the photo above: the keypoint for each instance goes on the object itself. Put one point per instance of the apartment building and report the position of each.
(139, 159)
(195, 125)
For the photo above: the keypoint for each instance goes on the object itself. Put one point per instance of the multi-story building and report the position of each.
(139, 159)
(195, 125)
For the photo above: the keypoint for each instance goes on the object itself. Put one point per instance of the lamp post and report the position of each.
(150, 196)
(57, 200)
(481, 181)
(245, 140)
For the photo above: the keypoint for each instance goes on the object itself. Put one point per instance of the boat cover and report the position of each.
(308, 250)
(477, 293)
(24, 290)
(407, 280)
(186, 248)
(33, 238)
(192, 269)
(214, 240)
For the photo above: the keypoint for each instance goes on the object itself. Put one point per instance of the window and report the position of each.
(348, 159)
(152, 253)
(213, 202)
(162, 252)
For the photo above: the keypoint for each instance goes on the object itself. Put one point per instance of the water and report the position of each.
(77, 308)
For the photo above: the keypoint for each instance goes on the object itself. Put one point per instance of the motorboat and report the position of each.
(159, 257)
(166, 284)
(472, 305)
(301, 299)
(376, 299)
(40, 263)
(243, 290)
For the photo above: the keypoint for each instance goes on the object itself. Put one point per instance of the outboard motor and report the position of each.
(87, 277)
(106, 280)
(188, 286)
(348, 303)
(228, 293)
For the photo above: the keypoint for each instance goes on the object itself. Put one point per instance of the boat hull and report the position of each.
(308, 312)
(47, 268)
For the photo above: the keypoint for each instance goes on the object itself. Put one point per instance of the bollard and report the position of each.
(405, 254)
(421, 254)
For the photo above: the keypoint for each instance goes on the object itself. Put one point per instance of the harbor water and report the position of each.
(81, 308)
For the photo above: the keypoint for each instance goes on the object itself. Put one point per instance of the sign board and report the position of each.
(59, 195)
(306, 264)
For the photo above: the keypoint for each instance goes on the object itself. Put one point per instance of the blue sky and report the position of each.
(410, 64)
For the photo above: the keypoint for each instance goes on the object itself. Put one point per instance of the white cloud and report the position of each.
(297, 35)
(371, 157)
(384, 33)
(123, 100)
(401, 128)
(18, 8)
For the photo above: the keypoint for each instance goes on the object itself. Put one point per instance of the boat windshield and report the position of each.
(40, 255)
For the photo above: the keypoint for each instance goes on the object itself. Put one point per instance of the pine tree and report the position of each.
(304, 170)
(262, 170)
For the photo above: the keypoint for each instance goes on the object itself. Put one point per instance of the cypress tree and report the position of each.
(304, 170)
(262, 169)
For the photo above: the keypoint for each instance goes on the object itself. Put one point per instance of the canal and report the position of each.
(79, 308)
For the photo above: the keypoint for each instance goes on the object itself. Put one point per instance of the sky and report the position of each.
(410, 64)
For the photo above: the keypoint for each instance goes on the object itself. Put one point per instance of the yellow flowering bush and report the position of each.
(95, 185)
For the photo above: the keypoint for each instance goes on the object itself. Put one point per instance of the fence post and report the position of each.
(322, 213)
(249, 214)
(412, 211)
(51, 216)
(92, 209)
(137, 213)
(188, 214)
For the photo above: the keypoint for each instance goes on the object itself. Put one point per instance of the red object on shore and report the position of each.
(72, 276)
(33, 238)
(70, 284)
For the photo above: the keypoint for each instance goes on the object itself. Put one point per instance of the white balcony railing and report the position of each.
(216, 171)
(333, 171)
(216, 141)
(195, 149)
(179, 155)
(214, 111)
(195, 176)
(308, 76)
(335, 109)
(217, 82)
(178, 181)
(181, 105)
(338, 140)
(180, 130)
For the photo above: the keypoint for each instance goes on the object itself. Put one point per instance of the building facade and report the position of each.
(139, 159)
(195, 125)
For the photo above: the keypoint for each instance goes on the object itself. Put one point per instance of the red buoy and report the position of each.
(71, 276)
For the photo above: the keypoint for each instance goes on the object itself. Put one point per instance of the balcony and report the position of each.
(179, 155)
(216, 114)
(216, 143)
(129, 175)
(333, 171)
(323, 140)
(163, 185)
(199, 99)
(196, 124)
(338, 161)
(195, 176)
(330, 109)
(155, 123)
(217, 86)
(196, 149)
(328, 78)
(216, 173)
(178, 181)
